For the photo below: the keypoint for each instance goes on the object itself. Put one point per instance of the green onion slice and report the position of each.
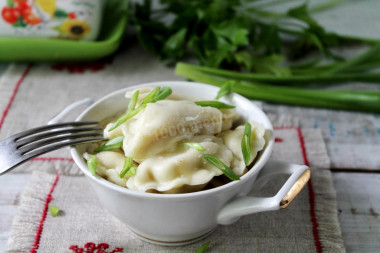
(221, 166)
(155, 95)
(149, 98)
(133, 102)
(215, 104)
(246, 143)
(224, 90)
(195, 145)
(112, 144)
(203, 248)
(132, 171)
(92, 165)
(53, 210)
(163, 93)
(127, 166)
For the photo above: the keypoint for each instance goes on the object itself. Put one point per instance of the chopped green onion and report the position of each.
(203, 248)
(246, 143)
(115, 143)
(133, 101)
(163, 93)
(53, 210)
(155, 95)
(126, 117)
(149, 98)
(92, 165)
(224, 90)
(132, 171)
(215, 104)
(195, 145)
(127, 166)
(221, 166)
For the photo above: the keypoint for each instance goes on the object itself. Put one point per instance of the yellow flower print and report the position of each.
(74, 28)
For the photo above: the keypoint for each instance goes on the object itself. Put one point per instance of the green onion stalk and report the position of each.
(254, 88)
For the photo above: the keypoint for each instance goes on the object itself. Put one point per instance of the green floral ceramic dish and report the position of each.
(45, 49)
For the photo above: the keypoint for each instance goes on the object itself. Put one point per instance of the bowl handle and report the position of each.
(299, 176)
(68, 109)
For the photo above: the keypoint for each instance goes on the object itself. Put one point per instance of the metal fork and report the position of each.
(25, 145)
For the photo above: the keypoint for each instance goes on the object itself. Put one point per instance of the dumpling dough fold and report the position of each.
(232, 139)
(163, 124)
(173, 172)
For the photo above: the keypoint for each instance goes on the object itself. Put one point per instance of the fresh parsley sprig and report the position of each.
(246, 143)
(155, 95)
(221, 166)
(112, 144)
(249, 40)
(92, 165)
(215, 104)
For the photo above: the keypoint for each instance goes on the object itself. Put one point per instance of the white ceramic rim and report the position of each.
(203, 193)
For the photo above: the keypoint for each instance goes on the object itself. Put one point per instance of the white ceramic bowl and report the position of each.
(177, 219)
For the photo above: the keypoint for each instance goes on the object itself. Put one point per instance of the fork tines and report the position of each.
(43, 139)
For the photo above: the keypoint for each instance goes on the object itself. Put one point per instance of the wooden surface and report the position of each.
(358, 197)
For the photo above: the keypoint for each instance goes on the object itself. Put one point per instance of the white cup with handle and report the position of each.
(178, 219)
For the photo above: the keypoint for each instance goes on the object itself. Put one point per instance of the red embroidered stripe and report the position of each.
(313, 215)
(303, 147)
(6, 110)
(43, 218)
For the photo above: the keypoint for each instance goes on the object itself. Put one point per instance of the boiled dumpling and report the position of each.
(163, 124)
(228, 118)
(110, 164)
(182, 170)
(232, 139)
(154, 138)
(114, 133)
(143, 92)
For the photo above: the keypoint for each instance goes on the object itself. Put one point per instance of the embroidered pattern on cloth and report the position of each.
(91, 247)
(103, 247)
(43, 218)
(80, 68)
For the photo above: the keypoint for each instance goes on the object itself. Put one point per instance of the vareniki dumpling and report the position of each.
(110, 164)
(169, 141)
(232, 139)
(163, 124)
(184, 167)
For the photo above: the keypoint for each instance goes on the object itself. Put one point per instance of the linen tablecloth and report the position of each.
(309, 224)
(32, 94)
